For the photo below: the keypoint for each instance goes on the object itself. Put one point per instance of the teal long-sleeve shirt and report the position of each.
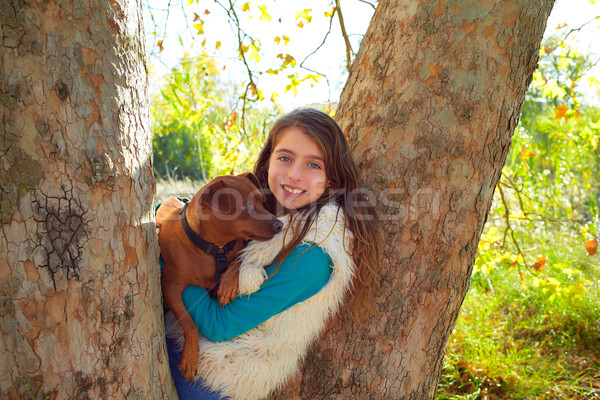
(301, 275)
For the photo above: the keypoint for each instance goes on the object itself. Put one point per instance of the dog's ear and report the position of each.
(252, 178)
(216, 196)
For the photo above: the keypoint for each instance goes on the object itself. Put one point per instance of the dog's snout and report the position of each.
(276, 225)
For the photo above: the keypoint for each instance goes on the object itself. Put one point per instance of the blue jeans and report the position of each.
(185, 389)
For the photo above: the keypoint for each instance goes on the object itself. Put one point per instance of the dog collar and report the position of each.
(218, 252)
(205, 246)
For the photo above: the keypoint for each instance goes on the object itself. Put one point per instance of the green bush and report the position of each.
(196, 134)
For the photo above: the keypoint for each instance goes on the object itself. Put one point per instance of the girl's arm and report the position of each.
(301, 275)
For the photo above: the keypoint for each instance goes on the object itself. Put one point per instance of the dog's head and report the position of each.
(235, 204)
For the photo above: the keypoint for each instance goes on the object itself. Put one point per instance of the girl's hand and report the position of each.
(164, 209)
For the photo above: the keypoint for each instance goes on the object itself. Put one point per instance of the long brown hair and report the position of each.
(360, 215)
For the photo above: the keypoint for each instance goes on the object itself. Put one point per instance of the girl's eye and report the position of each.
(314, 165)
(285, 159)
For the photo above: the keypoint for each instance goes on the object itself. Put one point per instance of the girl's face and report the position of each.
(296, 169)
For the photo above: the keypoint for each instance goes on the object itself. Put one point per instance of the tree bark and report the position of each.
(430, 106)
(80, 310)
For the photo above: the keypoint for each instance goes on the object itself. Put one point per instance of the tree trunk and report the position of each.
(432, 100)
(80, 310)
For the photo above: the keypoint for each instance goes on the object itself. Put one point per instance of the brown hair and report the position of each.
(360, 215)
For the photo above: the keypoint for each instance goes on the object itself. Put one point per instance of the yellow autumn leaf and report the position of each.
(538, 266)
(274, 97)
(301, 24)
(561, 112)
(218, 45)
(553, 283)
(591, 246)
(286, 39)
(199, 27)
(204, 42)
(525, 153)
(277, 39)
(264, 14)
(330, 13)
(579, 288)
(246, 7)
(289, 60)
(551, 89)
(542, 259)
(519, 259)
(560, 26)
(304, 14)
(233, 118)
(160, 45)
(253, 53)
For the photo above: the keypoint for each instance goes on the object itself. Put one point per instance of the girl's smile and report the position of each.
(296, 170)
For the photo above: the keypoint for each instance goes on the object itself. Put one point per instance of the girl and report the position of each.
(328, 244)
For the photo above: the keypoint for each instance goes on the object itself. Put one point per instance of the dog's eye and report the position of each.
(246, 208)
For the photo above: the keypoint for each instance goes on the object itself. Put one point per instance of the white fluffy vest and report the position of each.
(253, 365)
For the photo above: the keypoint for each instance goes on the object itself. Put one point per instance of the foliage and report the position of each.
(550, 182)
(272, 42)
(196, 134)
(203, 126)
(512, 342)
(530, 325)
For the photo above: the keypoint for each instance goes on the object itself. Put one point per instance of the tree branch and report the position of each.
(349, 52)
(371, 4)
(241, 35)
(507, 220)
(577, 29)
(317, 49)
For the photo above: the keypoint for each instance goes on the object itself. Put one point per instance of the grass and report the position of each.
(528, 334)
(176, 187)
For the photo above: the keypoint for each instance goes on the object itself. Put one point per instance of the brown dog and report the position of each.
(224, 213)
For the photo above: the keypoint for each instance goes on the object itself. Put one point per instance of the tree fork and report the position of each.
(430, 106)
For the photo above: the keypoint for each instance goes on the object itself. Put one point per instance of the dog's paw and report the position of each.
(189, 371)
(189, 366)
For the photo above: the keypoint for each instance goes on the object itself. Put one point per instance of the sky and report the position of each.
(329, 60)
